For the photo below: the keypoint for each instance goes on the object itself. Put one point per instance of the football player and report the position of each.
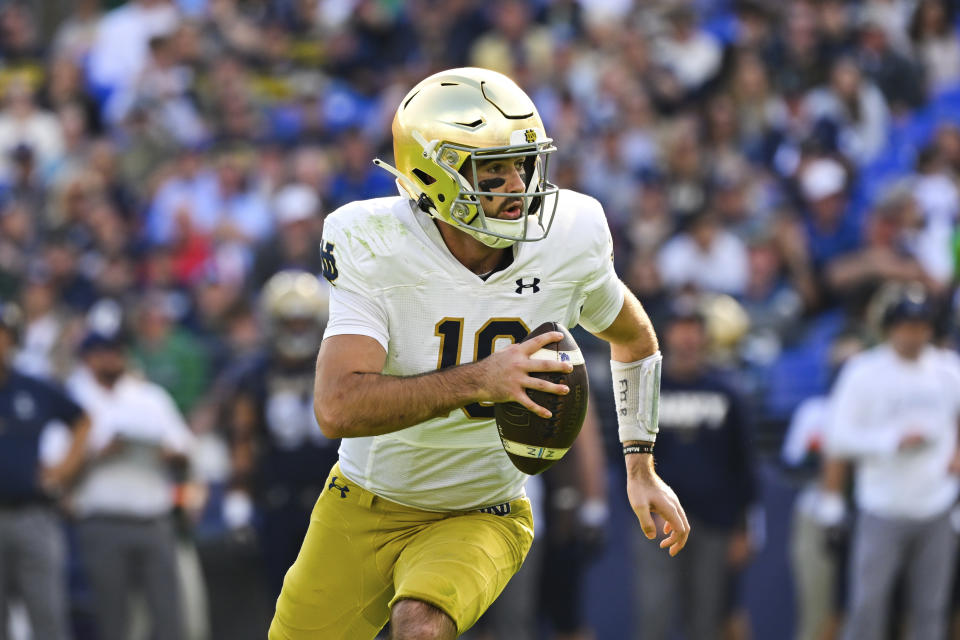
(276, 447)
(423, 519)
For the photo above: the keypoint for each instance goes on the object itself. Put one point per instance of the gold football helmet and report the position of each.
(472, 115)
(296, 305)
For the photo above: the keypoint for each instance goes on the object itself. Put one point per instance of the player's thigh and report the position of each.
(340, 584)
(462, 563)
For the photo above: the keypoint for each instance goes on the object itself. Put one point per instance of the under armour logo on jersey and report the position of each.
(535, 286)
(333, 485)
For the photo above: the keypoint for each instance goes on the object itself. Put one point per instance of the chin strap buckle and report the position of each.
(425, 203)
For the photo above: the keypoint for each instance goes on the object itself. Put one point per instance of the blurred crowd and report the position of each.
(166, 165)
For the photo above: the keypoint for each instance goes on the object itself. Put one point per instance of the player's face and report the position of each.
(107, 363)
(908, 338)
(686, 343)
(504, 175)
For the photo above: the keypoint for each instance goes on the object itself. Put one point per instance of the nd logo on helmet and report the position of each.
(530, 135)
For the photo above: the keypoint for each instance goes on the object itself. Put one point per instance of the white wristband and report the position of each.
(636, 391)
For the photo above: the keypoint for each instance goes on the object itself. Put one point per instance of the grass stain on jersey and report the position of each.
(384, 227)
(359, 240)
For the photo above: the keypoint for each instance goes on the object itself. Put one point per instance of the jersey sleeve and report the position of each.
(952, 362)
(62, 407)
(354, 305)
(853, 430)
(175, 434)
(603, 289)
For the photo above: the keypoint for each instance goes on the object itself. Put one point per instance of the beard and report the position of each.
(108, 376)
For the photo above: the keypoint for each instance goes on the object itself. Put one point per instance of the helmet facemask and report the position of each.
(538, 201)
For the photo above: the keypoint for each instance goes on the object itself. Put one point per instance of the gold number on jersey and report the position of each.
(450, 332)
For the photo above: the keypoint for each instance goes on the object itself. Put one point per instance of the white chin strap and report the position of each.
(500, 226)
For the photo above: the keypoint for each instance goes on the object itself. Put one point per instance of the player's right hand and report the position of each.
(505, 374)
(913, 442)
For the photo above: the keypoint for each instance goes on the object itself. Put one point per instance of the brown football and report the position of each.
(534, 443)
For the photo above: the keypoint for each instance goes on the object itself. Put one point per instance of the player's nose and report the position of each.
(515, 183)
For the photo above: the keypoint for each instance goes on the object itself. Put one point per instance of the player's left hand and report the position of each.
(649, 494)
(53, 480)
(954, 466)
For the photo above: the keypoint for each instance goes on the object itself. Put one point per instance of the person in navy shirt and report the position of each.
(703, 452)
(32, 562)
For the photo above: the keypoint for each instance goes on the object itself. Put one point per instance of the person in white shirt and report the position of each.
(124, 501)
(894, 412)
(820, 522)
(706, 256)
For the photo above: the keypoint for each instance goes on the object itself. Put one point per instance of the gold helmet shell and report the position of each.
(291, 295)
(472, 115)
(296, 306)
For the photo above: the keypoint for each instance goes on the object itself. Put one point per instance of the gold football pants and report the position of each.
(362, 553)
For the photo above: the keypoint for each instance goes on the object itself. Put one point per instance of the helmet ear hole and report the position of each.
(424, 177)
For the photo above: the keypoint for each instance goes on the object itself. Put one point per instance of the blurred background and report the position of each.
(769, 169)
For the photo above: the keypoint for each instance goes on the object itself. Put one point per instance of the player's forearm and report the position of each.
(369, 404)
(76, 454)
(631, 335)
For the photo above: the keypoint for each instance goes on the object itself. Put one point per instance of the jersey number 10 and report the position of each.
(450, 332)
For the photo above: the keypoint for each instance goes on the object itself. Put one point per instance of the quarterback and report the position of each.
(423, 520)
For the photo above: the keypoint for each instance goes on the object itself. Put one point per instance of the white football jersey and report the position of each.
(396, 282)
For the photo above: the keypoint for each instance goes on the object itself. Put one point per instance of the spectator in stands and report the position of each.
(124, 501)
(690, 53)
(164, 85)
(772, 298)
(22, 123)
(121, 48)
(796, 56)
(19, 35)
(18, 236)
(704, 446)
(75, 36)
(296, 209)
(240, 213)
(897, 76)
(180, 208)
(936, 43)
(514, 41)
(885, 256)
(894, 413)
(938, 197)
(830, 230)
(357, 177)
(43, 345)
(705, 257)
(34, 560)
(168, 353)
(62, 255)
(755, 101)
(893, 16)
(854, 110)
(24, 182)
